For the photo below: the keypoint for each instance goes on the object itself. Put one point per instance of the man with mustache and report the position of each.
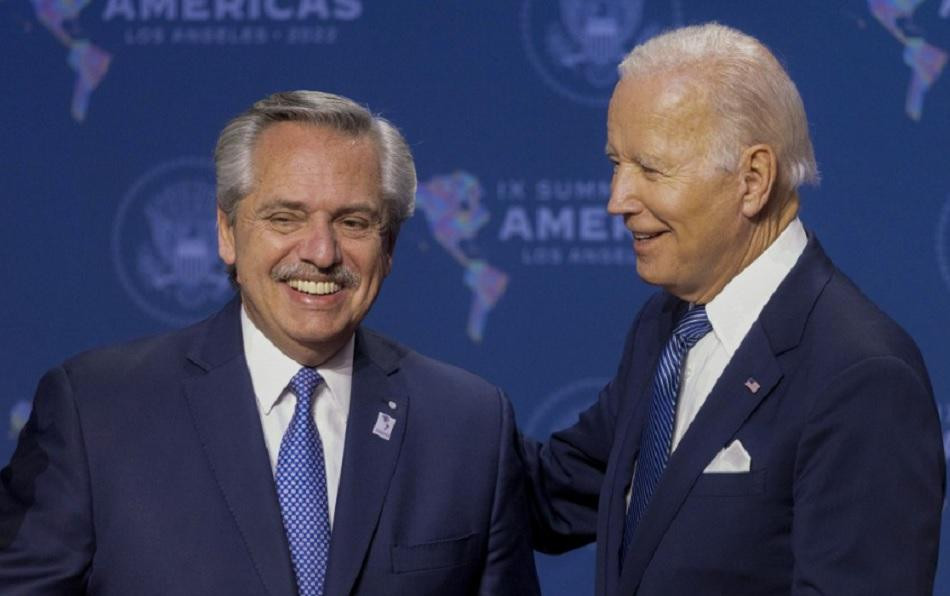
(769, 430)
(277, 447)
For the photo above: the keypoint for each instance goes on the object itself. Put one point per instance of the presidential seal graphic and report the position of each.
(164, 243)
(576, 45)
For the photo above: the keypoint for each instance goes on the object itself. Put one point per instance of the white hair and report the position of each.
(749, 90)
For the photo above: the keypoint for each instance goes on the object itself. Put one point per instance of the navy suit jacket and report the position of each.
(143, 470)
(845, 489)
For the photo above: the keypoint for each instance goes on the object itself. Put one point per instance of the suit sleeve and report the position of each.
(509, 567)
(565, 475)
(869, 485)
(46, 540)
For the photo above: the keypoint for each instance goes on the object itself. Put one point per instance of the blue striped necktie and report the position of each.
(657, 437)
(302, 489)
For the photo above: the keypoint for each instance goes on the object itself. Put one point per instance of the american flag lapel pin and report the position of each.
(752, 385)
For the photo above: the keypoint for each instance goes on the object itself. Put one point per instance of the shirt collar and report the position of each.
(271, 369)
(733, 311)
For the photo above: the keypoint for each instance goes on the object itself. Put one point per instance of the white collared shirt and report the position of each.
(271, 371)
(732, 313)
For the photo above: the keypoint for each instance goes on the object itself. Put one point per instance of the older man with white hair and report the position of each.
(769, 430)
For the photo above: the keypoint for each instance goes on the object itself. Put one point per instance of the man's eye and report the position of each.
(355, 226)
(280, 218)
(355, 223)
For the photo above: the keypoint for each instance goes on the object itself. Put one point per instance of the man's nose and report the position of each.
(624, 197)
(319, 245)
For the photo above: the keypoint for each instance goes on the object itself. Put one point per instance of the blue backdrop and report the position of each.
(510, 268)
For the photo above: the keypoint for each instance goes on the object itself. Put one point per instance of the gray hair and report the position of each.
(749, 90)
(233, 152)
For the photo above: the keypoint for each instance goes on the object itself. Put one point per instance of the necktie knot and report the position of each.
(303, 385)
(692, 327)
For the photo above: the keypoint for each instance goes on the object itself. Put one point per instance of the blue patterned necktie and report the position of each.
(302, 489)
(657, 437)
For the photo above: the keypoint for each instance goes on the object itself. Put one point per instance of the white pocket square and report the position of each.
(733, 459)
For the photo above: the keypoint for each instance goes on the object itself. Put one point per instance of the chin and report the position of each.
(649, 276)
(324, 336)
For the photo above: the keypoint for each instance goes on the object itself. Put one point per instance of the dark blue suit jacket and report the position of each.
(143, 470)
(846, 483)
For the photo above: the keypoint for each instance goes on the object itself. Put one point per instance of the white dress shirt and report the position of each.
(271, 371)
(731, 314)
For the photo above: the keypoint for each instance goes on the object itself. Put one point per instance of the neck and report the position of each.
(313, 356)
(770, 227)
(764, 231)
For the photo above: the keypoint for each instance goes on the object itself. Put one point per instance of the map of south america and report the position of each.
(926, 61)
(89, 62)
(454, 214)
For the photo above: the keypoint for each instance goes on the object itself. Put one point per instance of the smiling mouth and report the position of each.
(645, 236)
(315, 288)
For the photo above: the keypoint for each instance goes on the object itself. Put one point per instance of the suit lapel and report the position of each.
(625, 450)
(368, 460)
(730, 402)
(726, 408)
(225, 415)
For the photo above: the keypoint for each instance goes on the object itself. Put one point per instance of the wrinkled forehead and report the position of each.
(672, 107)
(301, 150)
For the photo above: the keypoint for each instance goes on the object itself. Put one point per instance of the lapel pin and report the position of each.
(384, 426)
(392, 405)
(752, 385)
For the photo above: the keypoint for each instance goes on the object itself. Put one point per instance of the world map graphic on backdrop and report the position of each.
(943, 409)
(544, 221)
(926, 61)
(88, 61)
(455, 215)
(500, 231)
(209, 23)
(580, 42)
(19, 414)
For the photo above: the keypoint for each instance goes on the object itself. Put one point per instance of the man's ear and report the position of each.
(758, 169)
(226, 239)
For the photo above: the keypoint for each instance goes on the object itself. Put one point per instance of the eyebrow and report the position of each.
(280, 203)
(359, 206)
(650, 160)
(640, 158)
